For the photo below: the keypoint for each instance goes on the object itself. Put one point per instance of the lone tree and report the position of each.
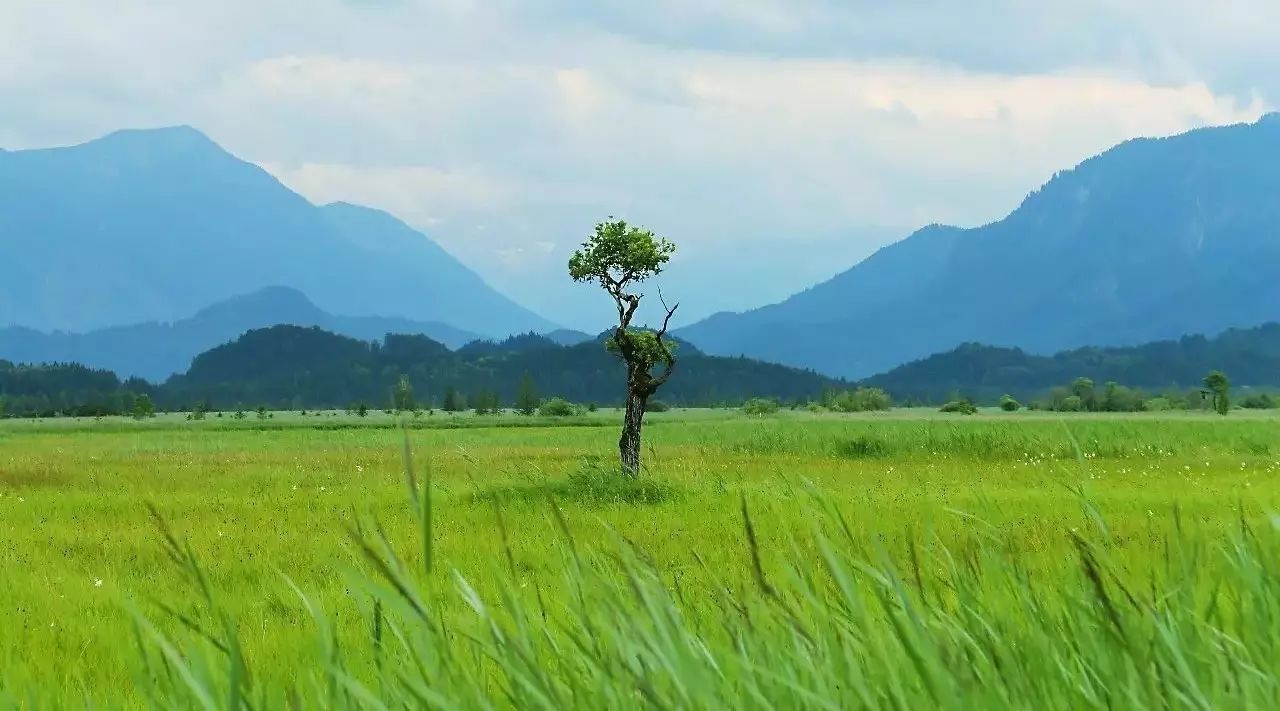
(618, 257)
(1218, 384)
(527, 400)
(402, 395)
(142, 407)
(452, 400)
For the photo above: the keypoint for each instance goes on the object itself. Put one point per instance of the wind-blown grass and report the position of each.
(891, 558)
(965, 626)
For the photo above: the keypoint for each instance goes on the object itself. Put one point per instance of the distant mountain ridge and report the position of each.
(157, 350)
(1150, 240)
(1250, 357)
(152, 225)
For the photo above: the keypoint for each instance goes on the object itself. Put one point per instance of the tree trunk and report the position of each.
(629, 442)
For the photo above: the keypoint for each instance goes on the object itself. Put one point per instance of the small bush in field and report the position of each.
(558, 407)
(1008, 404)
(860, 400)
(760, 406)
(963, 406)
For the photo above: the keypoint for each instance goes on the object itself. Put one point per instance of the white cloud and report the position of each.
(508, 128)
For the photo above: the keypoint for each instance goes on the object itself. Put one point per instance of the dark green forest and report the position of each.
(984, 373)
(290, 367)
(66, 389)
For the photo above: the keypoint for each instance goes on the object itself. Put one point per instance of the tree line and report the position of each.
(1171, 369)
(294, 368)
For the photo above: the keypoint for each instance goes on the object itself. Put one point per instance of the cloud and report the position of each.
(798, 135)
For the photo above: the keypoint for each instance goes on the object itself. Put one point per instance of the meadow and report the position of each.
(796, 560)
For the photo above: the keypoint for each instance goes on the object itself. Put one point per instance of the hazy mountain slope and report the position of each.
(153, 225)
(568, 336)
(157, 350)
(1150, 240)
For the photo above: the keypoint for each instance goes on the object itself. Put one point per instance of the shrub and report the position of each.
(656, 406)
(1258, 401)
(558, 407)
(858, 400)
(1157, 404)
(759, 406)
(143, 407)
(963, 406)
(1008, 404)
(1118, 398)
(1070, 403)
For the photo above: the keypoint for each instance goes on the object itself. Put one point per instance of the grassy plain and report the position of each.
(1012, 501)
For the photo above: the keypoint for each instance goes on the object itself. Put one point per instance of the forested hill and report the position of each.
(1249, 356)
(288, 367)
(292, 367)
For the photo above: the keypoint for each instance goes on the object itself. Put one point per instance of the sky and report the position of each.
(777, 142)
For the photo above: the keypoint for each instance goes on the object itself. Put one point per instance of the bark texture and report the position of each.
(629, 442)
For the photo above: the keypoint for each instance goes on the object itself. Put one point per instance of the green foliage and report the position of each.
(862, 399)
(402, 395)
(655, 405)
(760, 406)
(1158, 404)
(558, 407)
(964, 406)
(645, 349)
(1220, 387)
(1082, 390)
(1009, 404)
(453, 401)
(1258, 401)
(1250, 355)
(1118, 398)
(486, 402)
(527, 400)
(619, 254)
(143, 407)
(291, 368)
(1082, 397)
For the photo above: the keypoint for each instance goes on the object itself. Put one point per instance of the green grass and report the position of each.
(893, 559)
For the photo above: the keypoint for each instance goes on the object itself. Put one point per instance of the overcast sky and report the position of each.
(777, 142)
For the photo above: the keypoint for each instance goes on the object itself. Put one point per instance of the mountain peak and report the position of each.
(282, 301)
(167, 222)
(164, 147)
(1148, 240)
(179, 132)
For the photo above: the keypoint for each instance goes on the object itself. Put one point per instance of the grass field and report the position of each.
(891, 560)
